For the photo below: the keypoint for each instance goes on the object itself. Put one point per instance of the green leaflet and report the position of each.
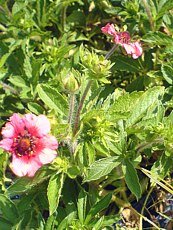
(54, 191)
(131, 178)
(145, 101)
(101, 168)
(53, 99)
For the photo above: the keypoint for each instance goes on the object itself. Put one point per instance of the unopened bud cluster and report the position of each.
(97, 67)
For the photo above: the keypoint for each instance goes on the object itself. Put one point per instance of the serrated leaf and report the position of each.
(54, 191)
(17, 81)
(81, 205)
(145, 101)
(35, 108)
(52, 98)
(167, 72)
(8, 209)
(101, 168)
(99, 206)
(131, 178)
(126, 64)
(27, 67)
(163, 8)
(19, 186)
(24, 184)
(158, 38)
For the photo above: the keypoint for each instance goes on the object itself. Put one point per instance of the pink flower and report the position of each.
(123, 39)
(27, 139)
(134, 49)
(109, 29)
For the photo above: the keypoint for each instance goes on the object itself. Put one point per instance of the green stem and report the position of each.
(71, 109)
(76, 122)
(143, 207)
(148, 11)
(64, 18)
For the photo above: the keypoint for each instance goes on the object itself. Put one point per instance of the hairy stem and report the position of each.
(148, 11)
(76, 122)
(71, 109)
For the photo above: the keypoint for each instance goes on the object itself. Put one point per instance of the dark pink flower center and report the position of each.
(24, 145)
(124, 37)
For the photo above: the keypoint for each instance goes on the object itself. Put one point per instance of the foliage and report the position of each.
(112, 118)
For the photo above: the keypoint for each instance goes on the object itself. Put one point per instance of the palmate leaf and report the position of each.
(101, 168)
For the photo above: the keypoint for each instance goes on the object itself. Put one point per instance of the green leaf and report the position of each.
(18, 81)
(131, 178)
(50, 223)
(27, 67)
(24, 184)
(4, 224)
(158, 38)
(24, 202)
(101, 168)
(53, 99)
(167, 72)
(124, 63)
(81, 205)
(19, 186)
(145, 101)
(54, 191)
(66, 221)
(163, 8)
(35, 108)
(99, 206)
(8, 209)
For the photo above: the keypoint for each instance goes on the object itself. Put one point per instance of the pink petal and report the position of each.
(50, 142)
(43, 125)
(138, 50)
(6, 144)
(133, 49)
(17, 122)
(129, 48)
(37, 125)
(47, 156)
(8, 131)
(109, 29)
(21, 166)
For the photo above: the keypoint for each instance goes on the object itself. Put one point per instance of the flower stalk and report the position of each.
(77, 118)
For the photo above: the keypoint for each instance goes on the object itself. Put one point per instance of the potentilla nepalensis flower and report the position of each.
(28, 140)
(123, 39)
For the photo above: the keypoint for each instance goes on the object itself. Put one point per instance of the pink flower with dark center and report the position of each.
(123, 39)
(28, 140)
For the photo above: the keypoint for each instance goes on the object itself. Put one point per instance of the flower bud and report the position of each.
(71, 82)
